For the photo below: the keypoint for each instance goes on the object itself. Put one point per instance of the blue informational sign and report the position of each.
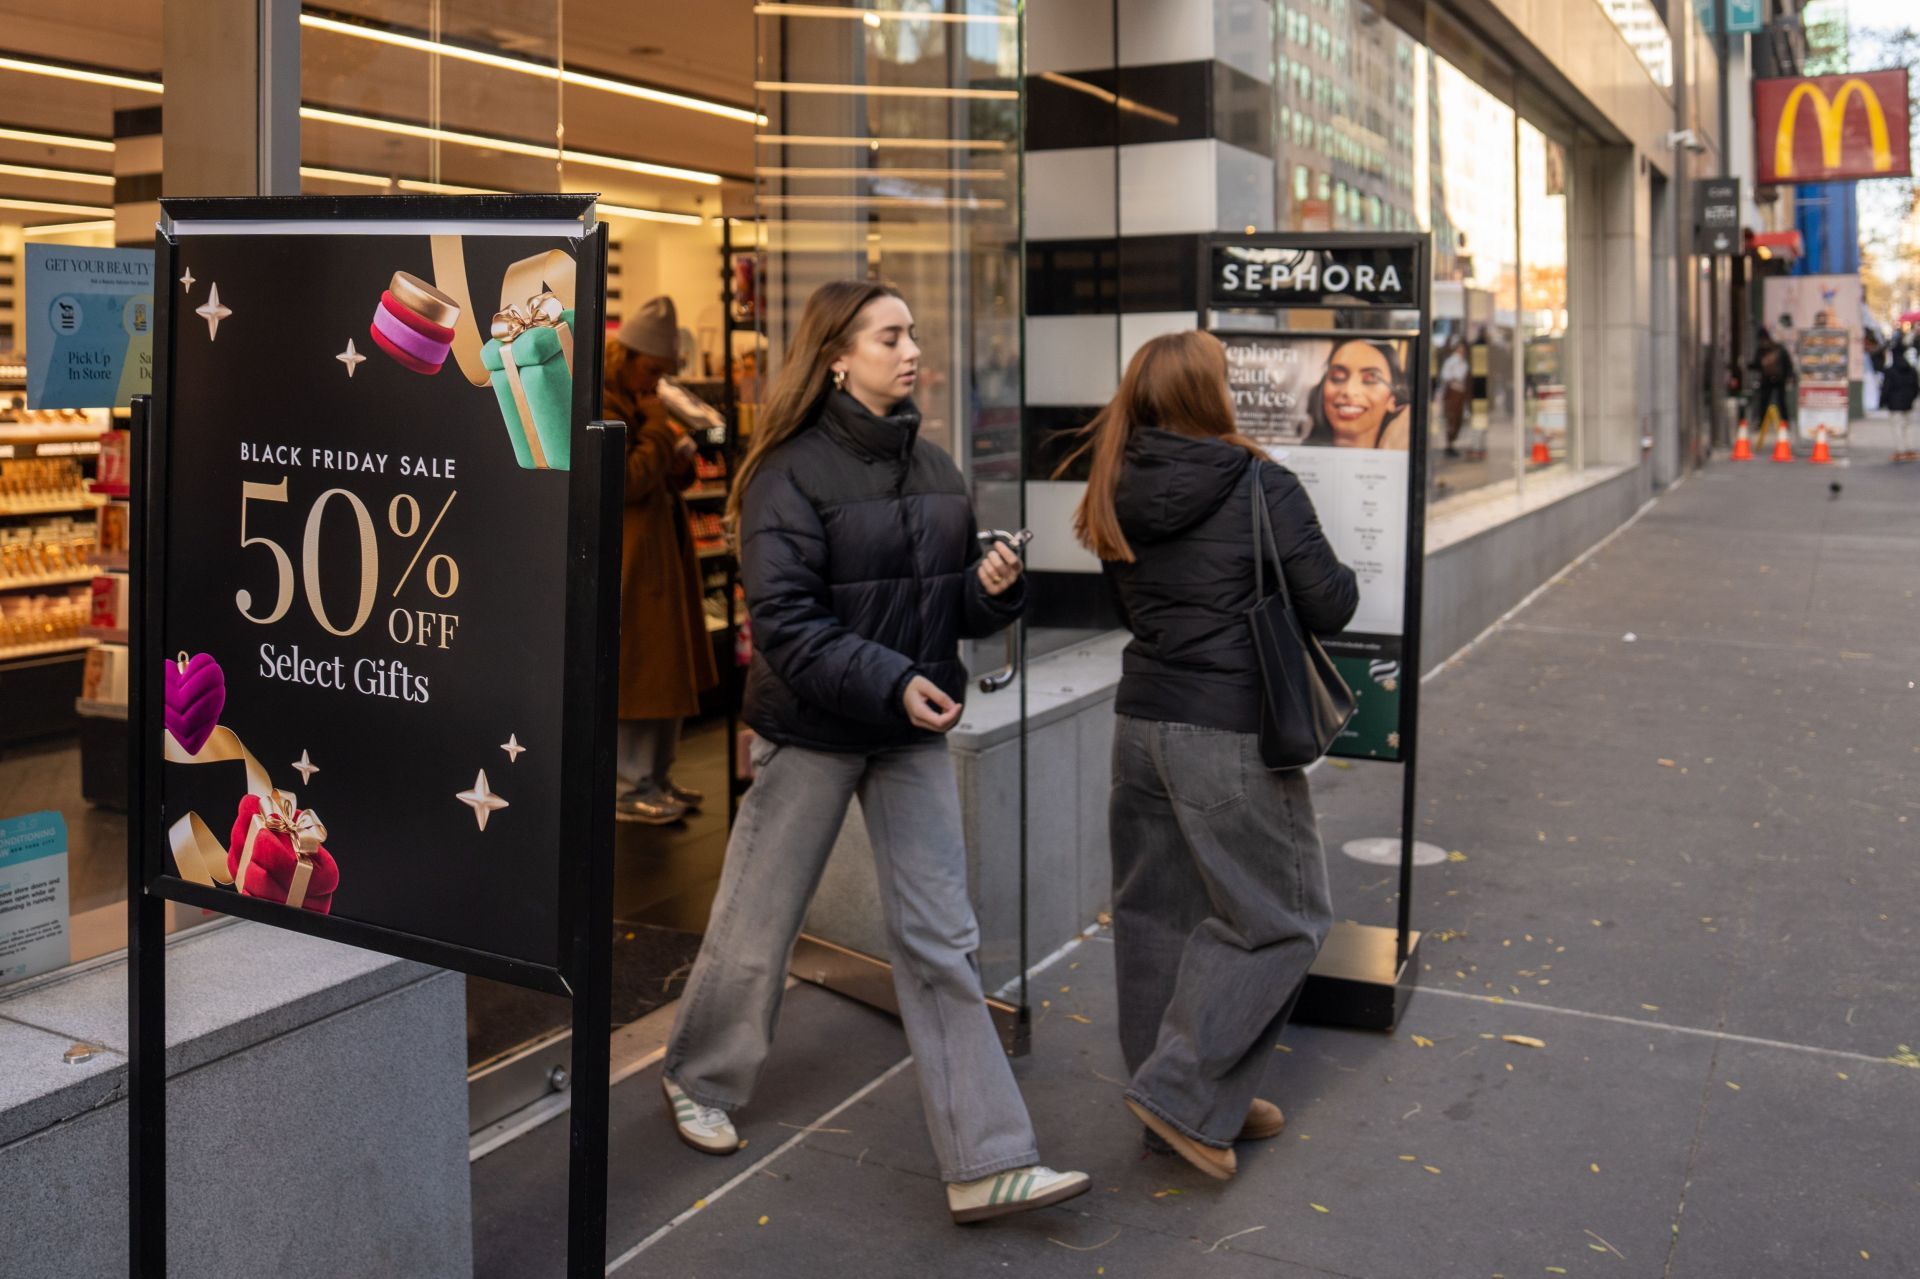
(1743, 16)
(33, 895)
(89, 326)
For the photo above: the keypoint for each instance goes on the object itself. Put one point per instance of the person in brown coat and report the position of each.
(666, 655)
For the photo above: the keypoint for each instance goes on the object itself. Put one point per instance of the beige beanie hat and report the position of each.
(653, 330)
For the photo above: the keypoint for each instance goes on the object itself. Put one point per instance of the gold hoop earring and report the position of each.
(839, 379)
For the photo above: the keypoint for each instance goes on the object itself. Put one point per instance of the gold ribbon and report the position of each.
(545, 311)
(540, 277)
(303, 831)
(197, 854)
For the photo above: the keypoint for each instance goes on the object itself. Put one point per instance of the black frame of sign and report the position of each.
(1364, 974)
(584, 890)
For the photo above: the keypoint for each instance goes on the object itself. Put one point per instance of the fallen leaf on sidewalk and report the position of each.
(1667, 763)
(1652, 1008)
(1084, 1021)
(1318, 1208)
(1906, 1057)
(1409, 1159)
(1421, 1041)
(1281, 1048)
(1162, 1194)
(1594, 1167)
(763, 1221)
(1456, 856)
(1525, 1041)
(1732, 1085)
(1430, 1168)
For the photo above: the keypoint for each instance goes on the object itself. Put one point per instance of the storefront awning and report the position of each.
(1776, 244)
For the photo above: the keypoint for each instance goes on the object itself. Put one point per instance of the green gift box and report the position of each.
(530, 363)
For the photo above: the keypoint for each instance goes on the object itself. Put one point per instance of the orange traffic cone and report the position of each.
(1541, 455)
(1782, 444)
(1821, 455)
(1743, 444)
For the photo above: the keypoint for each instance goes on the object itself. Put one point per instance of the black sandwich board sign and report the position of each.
(1327, 338)
(376, 573)
(1717, 229)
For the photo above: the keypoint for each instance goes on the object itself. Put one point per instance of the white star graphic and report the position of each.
(512, 747)
(186, 281)
(212, 312)
(482, 801)
(350, 357)
(305, 767)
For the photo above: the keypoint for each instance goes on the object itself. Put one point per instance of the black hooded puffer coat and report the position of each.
(1182, 502)
(857, 549)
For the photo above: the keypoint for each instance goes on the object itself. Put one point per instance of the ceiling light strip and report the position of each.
(884, 201)
(69, 228)
(932, 175)
(876, 16)
(56, 175)
(85, 75)
(317, 174)
(524, 66)
(513, 146)
(53, 206)
(881, 144)
(73, 140)
(888, 91)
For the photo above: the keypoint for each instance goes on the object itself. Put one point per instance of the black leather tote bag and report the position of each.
(1305, 703)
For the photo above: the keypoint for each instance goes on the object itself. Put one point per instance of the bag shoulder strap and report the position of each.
(1263, 543)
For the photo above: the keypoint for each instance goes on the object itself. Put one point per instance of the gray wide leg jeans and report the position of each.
(784, 833)
(1220, 904)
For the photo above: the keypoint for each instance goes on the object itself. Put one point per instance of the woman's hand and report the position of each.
(928, 707)
(999, 569)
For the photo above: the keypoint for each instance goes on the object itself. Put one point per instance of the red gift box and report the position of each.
(276, 854)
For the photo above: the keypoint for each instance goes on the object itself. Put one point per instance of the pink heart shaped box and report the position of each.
(195, 697)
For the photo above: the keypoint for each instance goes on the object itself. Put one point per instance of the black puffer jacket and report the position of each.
(1182, 502)
(857, 549)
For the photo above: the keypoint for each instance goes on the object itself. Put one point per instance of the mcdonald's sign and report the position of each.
(1832, 127)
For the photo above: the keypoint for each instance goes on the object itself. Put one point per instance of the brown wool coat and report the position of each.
(666, 655)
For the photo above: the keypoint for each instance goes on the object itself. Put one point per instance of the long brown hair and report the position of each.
(1177, 382)
(824, 335)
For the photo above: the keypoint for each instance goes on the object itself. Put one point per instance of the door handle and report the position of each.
(1005, 675)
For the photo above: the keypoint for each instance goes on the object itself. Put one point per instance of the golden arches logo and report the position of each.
(1830, 115)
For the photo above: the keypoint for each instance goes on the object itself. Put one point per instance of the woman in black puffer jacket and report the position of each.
(862, 574)
(1220, 896)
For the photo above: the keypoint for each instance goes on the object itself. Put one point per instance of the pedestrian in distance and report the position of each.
(666, 655)
(863, 571)
(1775, 368)
(1455, 390)
(1220, 898)
(1899, 386)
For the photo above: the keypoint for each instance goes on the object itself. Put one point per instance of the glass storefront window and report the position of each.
(1474, 442)
(1551, 420)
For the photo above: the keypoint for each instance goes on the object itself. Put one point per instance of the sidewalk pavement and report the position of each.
(1677, 793)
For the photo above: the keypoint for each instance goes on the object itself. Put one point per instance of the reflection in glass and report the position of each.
(1473, 442)
(1543, 299)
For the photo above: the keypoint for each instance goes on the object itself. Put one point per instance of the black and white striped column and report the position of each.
(1149, 124)
(136, 176)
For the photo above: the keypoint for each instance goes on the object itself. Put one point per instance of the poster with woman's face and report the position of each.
(1292, 390)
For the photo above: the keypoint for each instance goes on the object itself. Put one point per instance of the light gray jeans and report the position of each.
(785, 830)
(1220, 903)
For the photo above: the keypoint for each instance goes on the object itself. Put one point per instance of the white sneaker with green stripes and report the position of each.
(1017, 1190)
(705, 1128)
